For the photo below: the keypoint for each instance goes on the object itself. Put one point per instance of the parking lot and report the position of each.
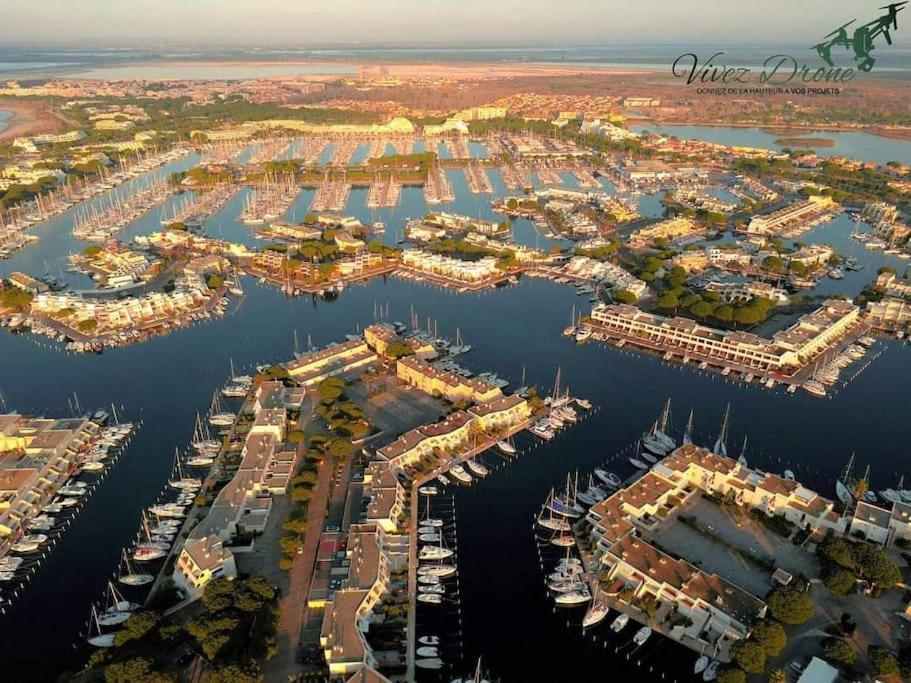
(738, 531)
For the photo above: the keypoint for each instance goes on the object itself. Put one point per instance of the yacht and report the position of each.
(711, 671)
(459, 474)
(608, 478)
(619, 623)
(441, 571)
(10, 563)
(563, 540)
(434, 552)
(430, 598)
(29, 543)
(642, 635)
(148, 553)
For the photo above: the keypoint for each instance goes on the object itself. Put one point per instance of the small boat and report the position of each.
(506, 447)
(10, 563)
(563, 540)
(429, 490)
(477, 468)
(131, 578)
(711, 671)
(434, 552)
(433, 664)
(701, 664)
(638, 463)
(642, 635)
(619, 623)
(427, 651)
(99, 639)
(459, 474)
(443, 479)
(428, 580)
(573, 597)
(789, 475)
(147, 553)
(29, 543)
(430, 598)
(436, 588)
(440, 570)
(608, 478)
(595, 614)
(429, 640)
(429, 538)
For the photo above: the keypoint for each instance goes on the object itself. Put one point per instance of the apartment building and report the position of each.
(792, 219)
(470, 272)
(336, 359)
(673, 230)
(454, 388)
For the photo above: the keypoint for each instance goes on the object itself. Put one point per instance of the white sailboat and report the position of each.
(688, 432)
(218, 416)
(99, 639)
(131, 578)
(721, 446)
(844, 484)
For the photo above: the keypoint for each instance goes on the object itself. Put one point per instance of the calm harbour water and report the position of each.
(853, 144)
(505, 615)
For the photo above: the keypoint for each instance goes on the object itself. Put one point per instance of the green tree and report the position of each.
(771, 636)
(883, 661)
(623, 296)
(778, 676)
(875, 565)
(668, 301)
(839, 581)
(731, 675)
(724, 313)
(135, 670)
(839, 651)
(790, 606)
(137, 627)
(750, 656)
(399, 349)
(837, 550)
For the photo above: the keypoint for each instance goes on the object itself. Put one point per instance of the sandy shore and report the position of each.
(28, 118)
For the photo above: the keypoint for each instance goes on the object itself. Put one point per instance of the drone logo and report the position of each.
(861, 41)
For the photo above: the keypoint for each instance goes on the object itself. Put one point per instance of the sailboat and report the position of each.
(218, 416)
(843, 485)
(131, 578)
(118, 610)
(550, 521)
(688, 433)
(742, 460)
(182, 482)
(571, 330)
(595, 614)
(506, 447)
(721, 446)
(656, 439)
(99, 639)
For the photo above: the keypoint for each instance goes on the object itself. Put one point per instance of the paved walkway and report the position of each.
(293, 605)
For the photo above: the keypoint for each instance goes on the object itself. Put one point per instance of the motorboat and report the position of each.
(439, 570)
(635, 462)
(429, 538)
(427, 651)
(437, 588)
(619, 623)
(432, 664)
(789, 475)
(711, 671)
(459, 474)
(595, 614)
(434, 552)
(428, 490)
(642, 635)
(72, 490)
(608, 478)
(28, 543)
(10, 563)
(429, 640)
(443, 479)
(701, 664)
(429, 579)
(430, 598)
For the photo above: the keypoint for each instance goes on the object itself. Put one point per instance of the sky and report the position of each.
(312, 22)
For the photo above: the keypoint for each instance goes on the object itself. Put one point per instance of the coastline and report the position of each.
(28, 118)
